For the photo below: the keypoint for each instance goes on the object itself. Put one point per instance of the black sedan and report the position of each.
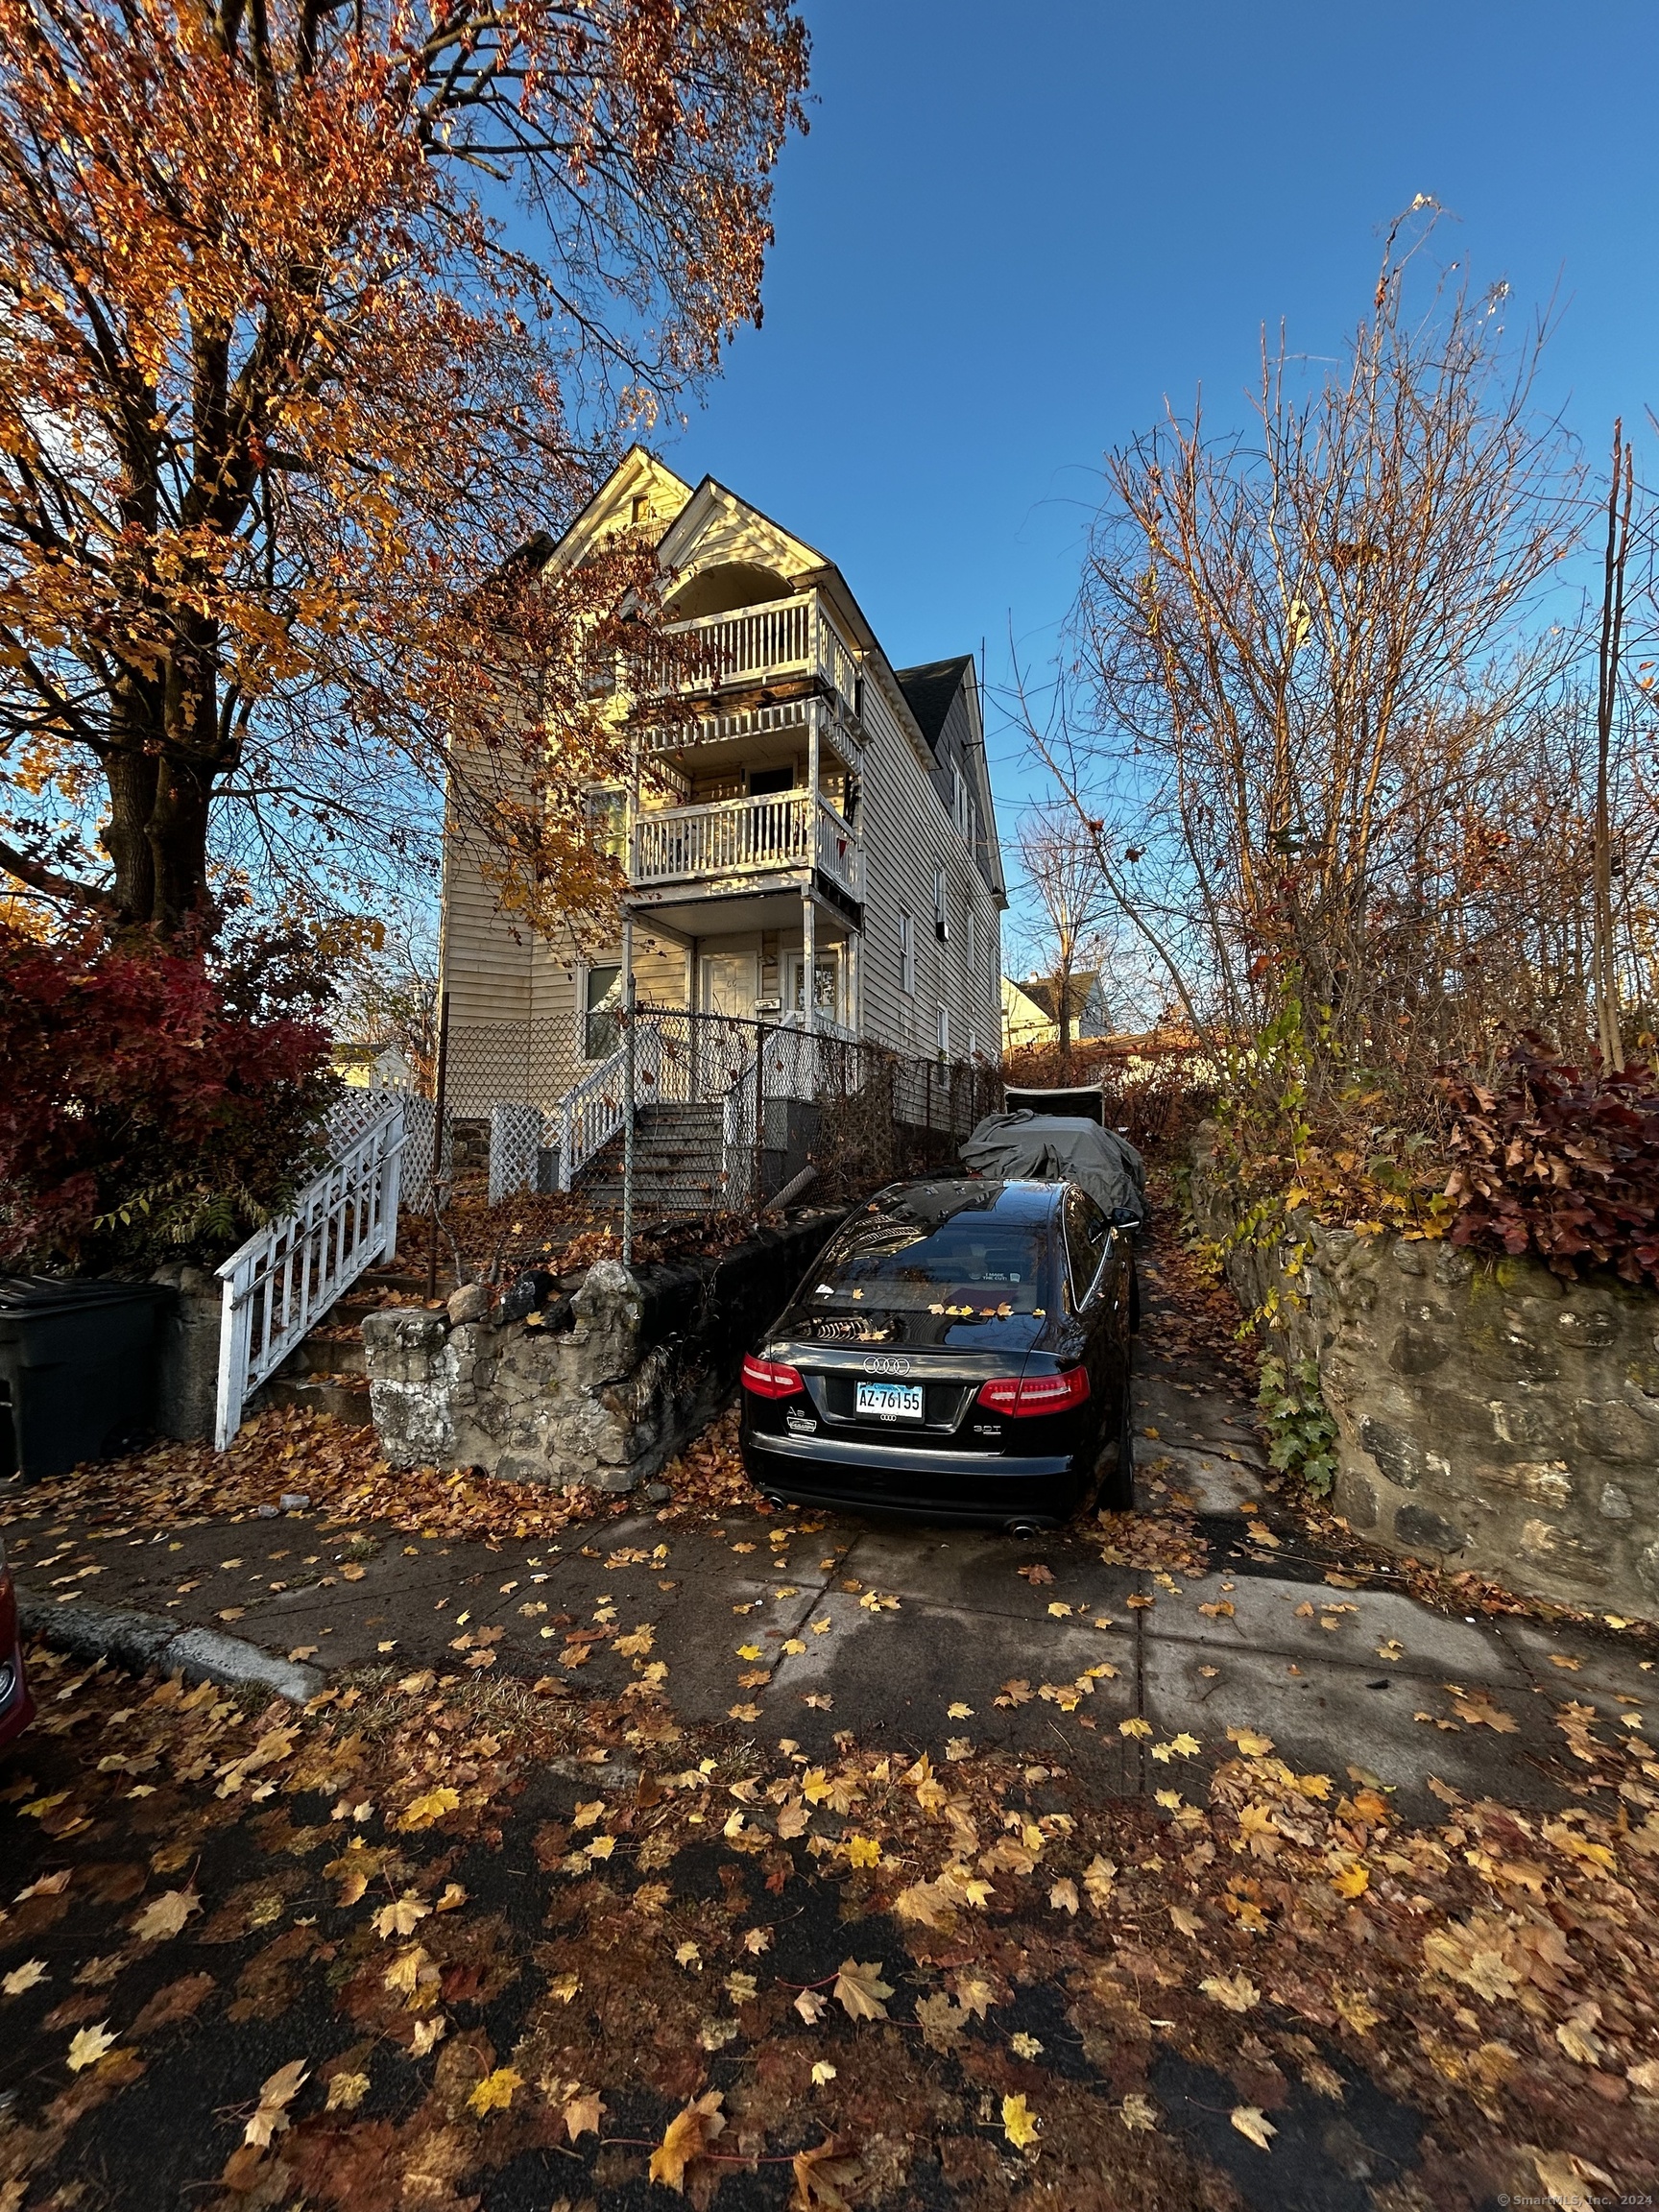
(960, 1349)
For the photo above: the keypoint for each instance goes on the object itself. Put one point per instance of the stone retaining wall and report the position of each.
(1489, 1415)
(603, 1387)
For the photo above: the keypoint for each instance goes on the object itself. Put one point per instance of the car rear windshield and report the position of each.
(970, 1263)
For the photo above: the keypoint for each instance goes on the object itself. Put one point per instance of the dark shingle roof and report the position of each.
(929, 690)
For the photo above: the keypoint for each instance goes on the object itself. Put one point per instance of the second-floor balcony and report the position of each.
(736, 840)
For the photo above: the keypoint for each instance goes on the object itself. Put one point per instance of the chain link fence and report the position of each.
(670, 1114)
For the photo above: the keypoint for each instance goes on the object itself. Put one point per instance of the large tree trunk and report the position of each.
(160, 773)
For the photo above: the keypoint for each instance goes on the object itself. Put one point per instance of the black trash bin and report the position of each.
(77, 1369)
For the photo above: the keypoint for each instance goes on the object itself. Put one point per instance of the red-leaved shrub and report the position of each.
(153, 1103)
(1559, 1162)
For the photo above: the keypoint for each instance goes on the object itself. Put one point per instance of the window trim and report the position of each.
(589, 1012)
(941, 907)
(906, 952)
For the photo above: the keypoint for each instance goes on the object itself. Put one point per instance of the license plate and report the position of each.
(891, 1401)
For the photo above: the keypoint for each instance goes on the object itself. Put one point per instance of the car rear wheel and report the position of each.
(1117, 1486)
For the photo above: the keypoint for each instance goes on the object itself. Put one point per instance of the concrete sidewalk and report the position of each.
(805, 1625)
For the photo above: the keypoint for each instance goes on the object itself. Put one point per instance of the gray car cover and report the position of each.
(1050, 1148)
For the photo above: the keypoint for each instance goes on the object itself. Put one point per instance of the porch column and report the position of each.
(809, 960)
(809, 908)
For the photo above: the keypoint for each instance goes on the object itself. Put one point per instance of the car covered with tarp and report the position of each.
(1048, 1148)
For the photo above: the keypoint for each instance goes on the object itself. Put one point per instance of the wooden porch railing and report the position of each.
(785, 830)
(782, 638)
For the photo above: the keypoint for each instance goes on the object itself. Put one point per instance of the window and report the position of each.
(973, 945)
(1086, 1234)
(941, 913)
(764, 781)
(608, 822)
(601, 1006)
(944, 1033)
(962, 806)
(915, 1260)
(906, 952)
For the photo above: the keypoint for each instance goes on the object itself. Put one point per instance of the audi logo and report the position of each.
(891, 1364)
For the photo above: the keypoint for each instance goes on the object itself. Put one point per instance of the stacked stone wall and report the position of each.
(1489, 1415)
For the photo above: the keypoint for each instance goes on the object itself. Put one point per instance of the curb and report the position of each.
(139, 1641)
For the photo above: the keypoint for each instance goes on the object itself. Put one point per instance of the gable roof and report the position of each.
(1043, 991)
(929, 690)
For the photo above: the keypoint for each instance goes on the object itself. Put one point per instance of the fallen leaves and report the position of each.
(401, 1917)
(164, 1916)
(427, 1809)
(1235, 1992)
(688, 2135)
(1020, 2124)
(860, 1989)
(270, 2117)
(28, 1975)
(496, 2092)
(1254, 2126)
(87, 2045)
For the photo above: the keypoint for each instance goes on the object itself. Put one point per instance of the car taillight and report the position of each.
(1038, 1394)
(770, 1379)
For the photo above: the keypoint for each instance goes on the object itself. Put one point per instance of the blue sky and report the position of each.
(1013, 230)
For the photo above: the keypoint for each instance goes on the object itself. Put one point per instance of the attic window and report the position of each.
(639, 509)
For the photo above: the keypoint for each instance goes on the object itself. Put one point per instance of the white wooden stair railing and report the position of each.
(288, 1274)
(593, 1109)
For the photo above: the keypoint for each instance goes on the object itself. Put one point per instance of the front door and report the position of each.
(729, 984)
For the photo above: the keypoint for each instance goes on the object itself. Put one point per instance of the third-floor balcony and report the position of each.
(782, 644)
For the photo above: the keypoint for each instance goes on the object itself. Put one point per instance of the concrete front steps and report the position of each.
(325, 1371)
(677, 1162)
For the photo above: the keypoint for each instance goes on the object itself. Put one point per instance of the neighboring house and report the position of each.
(373, 1067)
(1031, 1010)
(827, 817)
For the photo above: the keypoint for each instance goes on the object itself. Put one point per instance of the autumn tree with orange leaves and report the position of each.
(314, 314)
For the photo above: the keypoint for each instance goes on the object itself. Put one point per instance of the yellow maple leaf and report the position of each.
(1020, 2124)
(1360, 2014)
(1235, 1992)
(861, 1989)
(165, 1915)
(1352, 1881)
(271, 2115)
(347, 2091)
(87, 2046)
(582, 2114)
(1253, 1746)
(401, 1917)
(1134, 1726)
(431, 1806)
(494, 2093)
(688, 2135)
(748, 1650)
(1254, 2125)
(863, 1851)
